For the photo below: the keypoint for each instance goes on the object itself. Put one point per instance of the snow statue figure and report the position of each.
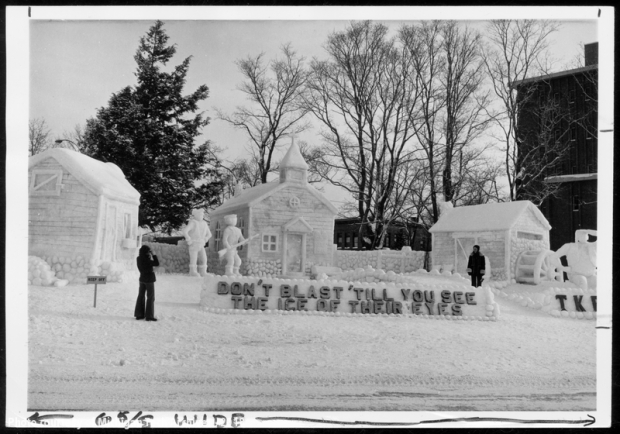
(231, 239)
(196, 234)
(581, 258)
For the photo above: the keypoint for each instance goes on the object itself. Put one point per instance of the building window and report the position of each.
(294, 202)
(339, 240)
(241, 226)
(347, 241)
(529, 236)
(218, 235)
(270, 243)
(576, 203)
(571, 96)
(355, 241)
(127, 225)
(46, 182)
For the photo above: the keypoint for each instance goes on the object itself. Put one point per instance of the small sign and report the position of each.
(96, 280)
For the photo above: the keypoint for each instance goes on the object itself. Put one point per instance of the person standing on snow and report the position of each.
(476, 267)
(146, 261)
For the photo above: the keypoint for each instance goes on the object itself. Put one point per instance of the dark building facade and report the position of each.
(571, 133)
(347, 235)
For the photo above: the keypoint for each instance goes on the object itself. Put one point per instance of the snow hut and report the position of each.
(295, 222)
(83, 215)
(502, 230)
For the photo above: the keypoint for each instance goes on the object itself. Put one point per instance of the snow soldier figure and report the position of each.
(197, 234)
(231, 237)
(476, 267)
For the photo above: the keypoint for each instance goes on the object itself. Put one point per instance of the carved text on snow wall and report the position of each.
(251, 296)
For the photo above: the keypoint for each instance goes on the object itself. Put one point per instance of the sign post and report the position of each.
(95, 280)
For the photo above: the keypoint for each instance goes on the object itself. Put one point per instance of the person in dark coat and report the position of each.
(146, 261)
(476, 267)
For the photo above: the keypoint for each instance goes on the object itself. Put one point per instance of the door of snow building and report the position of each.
(109, 234)
(464, 247)
(294, 253)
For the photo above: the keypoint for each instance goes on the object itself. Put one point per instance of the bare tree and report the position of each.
(423, 43)
(71, 139)
(275, 93)
(39, 135)
(517, 50)
(367, 105)
(464, 118)
(546, 127)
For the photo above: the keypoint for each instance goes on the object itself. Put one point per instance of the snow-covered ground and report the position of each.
(86, 358)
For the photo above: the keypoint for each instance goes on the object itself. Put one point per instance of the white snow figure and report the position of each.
(231, 239)
(581, 258)
(196, 234)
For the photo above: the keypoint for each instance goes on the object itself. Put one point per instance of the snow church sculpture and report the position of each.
(83, 215)
(294, 221)
(197, 234)
(502, 230)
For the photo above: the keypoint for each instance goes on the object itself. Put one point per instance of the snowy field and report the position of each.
(85, 358)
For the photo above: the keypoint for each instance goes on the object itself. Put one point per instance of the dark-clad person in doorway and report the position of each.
(476, 266)
(146, 262)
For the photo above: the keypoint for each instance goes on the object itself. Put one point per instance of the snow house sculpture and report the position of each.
(83, 215)
(295, 222)
(502, 230)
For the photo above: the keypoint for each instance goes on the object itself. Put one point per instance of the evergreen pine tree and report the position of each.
(149, 131)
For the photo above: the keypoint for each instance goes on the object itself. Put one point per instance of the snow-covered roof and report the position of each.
(254, 195)
(487, 217)
(99, 177)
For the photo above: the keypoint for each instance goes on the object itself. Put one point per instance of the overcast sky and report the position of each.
(76, 65)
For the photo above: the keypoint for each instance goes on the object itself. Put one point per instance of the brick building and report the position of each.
(347, 235)
(575, 94)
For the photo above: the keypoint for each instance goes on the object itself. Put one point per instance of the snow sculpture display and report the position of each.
(385, 293)
(581, 258)
(502, 230)
(197, 234)
(231, 239)
(290, 224)
(83, 215)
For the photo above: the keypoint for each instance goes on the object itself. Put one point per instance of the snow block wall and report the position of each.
(261, 267)
(173, 258)
(400, 295)
(399, 261)
(74, 269)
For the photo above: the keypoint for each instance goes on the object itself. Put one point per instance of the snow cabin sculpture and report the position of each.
(293, 220)
(506, 232)
(83, 215)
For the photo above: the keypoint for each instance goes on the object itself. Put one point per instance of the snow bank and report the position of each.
(561, 300)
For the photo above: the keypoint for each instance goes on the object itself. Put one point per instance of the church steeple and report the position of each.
(293, 167)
